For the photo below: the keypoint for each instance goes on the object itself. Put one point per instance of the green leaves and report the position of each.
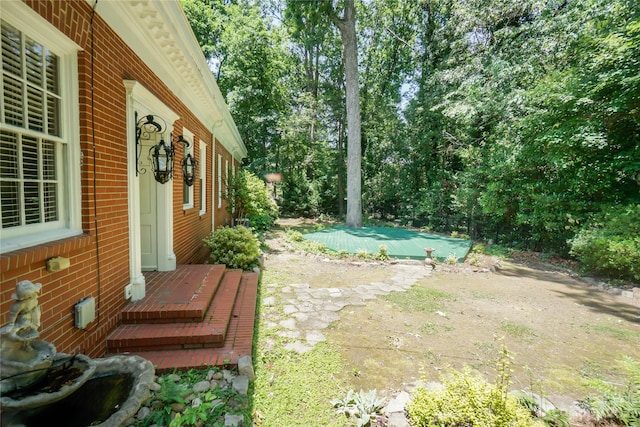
(363, 406)
(496, 119)
(235, 247)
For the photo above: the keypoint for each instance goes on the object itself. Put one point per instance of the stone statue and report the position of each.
(24, 314)
(23, 358)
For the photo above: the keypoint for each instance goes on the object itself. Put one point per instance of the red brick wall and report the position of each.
(100, 258)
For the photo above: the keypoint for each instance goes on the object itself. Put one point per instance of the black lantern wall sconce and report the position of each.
(188, 164)
(162, 154)
(152, 127)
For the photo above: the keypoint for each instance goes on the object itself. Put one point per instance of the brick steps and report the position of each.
(182, 295)
(238, 343)
(224, 333)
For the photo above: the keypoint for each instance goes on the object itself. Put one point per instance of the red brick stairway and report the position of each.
(196, 316)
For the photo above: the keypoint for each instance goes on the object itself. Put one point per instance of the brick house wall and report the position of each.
(99, 258)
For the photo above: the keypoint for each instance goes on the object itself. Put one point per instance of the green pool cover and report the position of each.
(400, 243)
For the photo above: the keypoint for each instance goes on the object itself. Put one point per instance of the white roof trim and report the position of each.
(159, 33)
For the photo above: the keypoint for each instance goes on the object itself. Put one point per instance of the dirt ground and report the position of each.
(560, 330)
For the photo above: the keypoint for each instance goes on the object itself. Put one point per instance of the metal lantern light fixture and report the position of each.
(188, 164)
(162, 161)
(151, 127)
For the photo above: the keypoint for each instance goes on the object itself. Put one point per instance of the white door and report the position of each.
(148, 212)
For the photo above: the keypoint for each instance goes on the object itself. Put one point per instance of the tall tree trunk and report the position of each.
(347, 27)
(340, 168)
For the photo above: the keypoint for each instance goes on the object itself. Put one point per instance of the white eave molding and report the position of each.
(159, 33)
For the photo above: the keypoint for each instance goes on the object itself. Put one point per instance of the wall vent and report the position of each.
(85, 312)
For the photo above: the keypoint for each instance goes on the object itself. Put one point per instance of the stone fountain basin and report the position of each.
(41, 393)
(113, 394)
(22, 368)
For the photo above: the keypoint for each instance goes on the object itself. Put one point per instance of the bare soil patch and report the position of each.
(560, 330)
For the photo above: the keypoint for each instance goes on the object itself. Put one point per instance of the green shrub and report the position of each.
(235, 247)
(618, 403)
(292, 236)
(248, 197)
(466, 399)
(611, 246)
(451, 259)
(479, 248)
(383, 253)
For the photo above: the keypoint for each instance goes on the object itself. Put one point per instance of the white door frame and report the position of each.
(142, 100)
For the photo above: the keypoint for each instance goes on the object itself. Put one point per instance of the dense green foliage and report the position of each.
(619, 403)
(512, 121)
(467, 399)
(611, 245)
(199, 408)
(248, 197)
(235, 247)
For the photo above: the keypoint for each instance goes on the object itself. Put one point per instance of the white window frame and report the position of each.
(68, 155)
(187, 204)
(226, 177)
(233, 175)
(203, 177)
(219, 181)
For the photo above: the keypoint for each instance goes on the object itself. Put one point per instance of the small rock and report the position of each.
(233, 420)
(154, 386)
(245, 367)
(398, 403)
(201, 386)
(397, 419)
(241, 384)
(269, 301)
(177, 407)
(143, 413)
(217, 376)
(228, 375)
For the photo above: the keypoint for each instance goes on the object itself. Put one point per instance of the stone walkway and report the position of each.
(306, 311)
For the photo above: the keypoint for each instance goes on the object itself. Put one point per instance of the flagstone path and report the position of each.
(307, 311)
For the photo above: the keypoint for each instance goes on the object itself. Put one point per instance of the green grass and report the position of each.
(293, 389)
(419, 299)
(617, 333)
(430, 328)
(517, 330)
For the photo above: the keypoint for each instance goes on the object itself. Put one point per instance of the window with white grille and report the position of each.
(35, 204)
(203, 177)
(187, 190)
(219, 181)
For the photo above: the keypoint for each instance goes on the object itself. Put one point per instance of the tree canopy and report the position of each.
(512, 121)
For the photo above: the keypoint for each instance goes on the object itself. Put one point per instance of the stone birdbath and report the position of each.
(429, 259)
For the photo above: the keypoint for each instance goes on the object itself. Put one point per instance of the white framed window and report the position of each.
(40, 197)
(219, 181)
(226, 177)
(187, 190)
(233, 175)
(203, 177)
